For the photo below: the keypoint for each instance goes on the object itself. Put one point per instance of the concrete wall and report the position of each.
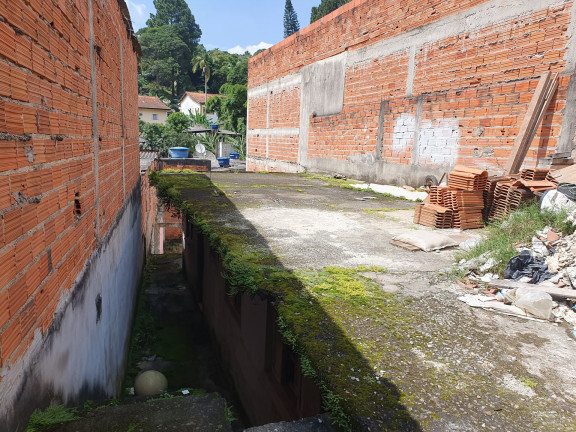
(147, 115)
(390, 92)
(70, 233)
(190, 106)
(250, 346)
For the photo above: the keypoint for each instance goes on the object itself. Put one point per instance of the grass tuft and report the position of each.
(52, 415)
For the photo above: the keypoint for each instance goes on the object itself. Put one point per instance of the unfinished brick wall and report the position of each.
(424, 86)
(68, 154)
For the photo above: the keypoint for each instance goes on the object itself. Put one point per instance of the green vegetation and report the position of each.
(324, 8)
(231, 108)
(178, 171)
(503, 237)
(529, 382)
(202, 62)
(291, 24)
(376, 211)
(168, 42)
(173, 61)
(52, 415)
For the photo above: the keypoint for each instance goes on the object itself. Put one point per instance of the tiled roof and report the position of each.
(151, 102)
(197, 97)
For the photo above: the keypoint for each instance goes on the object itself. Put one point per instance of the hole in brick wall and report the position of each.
(98, 308)
(77, 205)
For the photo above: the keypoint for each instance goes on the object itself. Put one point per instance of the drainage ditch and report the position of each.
(170, 335)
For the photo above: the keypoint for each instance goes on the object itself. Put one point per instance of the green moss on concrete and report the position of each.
(356, 341)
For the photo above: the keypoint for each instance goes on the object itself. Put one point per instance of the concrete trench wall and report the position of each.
(70, 225)
(250, 346)
(391, 91)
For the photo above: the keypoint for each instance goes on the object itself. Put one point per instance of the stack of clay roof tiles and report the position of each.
(457, 206)
(505, 194)
(472, 197)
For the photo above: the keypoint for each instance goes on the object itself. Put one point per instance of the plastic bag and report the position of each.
(527, 264)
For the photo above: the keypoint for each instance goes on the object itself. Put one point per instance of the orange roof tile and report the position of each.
(152, 102)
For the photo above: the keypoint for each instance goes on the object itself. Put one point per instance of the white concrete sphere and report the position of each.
(150, 383)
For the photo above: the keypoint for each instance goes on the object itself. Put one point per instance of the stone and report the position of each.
(553, 264)
(534, 302)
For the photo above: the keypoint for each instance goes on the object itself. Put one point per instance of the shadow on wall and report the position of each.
(285, 346)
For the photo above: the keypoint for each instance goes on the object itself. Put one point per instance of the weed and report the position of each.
(230, 417)
(519, 228)
(178, 171)
(50, 416)
(383, 209)
(163, 396)
(529, 382)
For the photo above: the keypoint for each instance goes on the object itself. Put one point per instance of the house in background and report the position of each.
(194, 103)
(152, 110)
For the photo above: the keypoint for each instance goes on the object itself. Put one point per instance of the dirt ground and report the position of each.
(477, 370)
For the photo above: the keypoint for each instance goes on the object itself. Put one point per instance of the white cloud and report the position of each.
(250, 48)
(138, 8)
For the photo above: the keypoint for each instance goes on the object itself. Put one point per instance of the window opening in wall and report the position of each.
(77, 205)
(154, 116)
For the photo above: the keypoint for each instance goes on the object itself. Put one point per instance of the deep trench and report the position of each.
(170, 335)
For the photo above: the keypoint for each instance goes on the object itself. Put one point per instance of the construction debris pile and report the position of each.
(553, 299)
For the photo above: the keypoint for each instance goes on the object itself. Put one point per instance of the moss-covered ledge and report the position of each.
(374, 355)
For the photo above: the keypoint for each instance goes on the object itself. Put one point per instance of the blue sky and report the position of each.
(234, 25)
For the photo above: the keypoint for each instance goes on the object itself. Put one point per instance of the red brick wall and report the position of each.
(62, 183)
(465, 91)
(149, 205)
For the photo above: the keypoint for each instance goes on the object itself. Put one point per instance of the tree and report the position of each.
(202, 62)
(291, 24)
(176, 13)
(152, 134)
(325, 7)
(164, 61)
(168, 42)
(233, 107)
(178, 121)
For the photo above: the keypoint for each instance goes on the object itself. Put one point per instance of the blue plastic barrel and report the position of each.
(178, 152)
(223, 161)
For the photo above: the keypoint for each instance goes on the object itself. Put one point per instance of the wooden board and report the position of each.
(540, 101)
(565, 175)
(556, 293)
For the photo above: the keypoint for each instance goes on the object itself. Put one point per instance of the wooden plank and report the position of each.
(527, 129)
(556, 293)
(565, 175)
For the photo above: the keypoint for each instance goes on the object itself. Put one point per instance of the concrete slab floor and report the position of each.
(455, 368)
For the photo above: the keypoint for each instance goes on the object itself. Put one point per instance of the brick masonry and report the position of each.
(391, 92)
(69, 158)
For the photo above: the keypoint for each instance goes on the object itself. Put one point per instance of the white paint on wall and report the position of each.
(438, 142)
(403, 135)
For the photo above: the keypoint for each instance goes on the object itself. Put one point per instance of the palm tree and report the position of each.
(202, 61)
